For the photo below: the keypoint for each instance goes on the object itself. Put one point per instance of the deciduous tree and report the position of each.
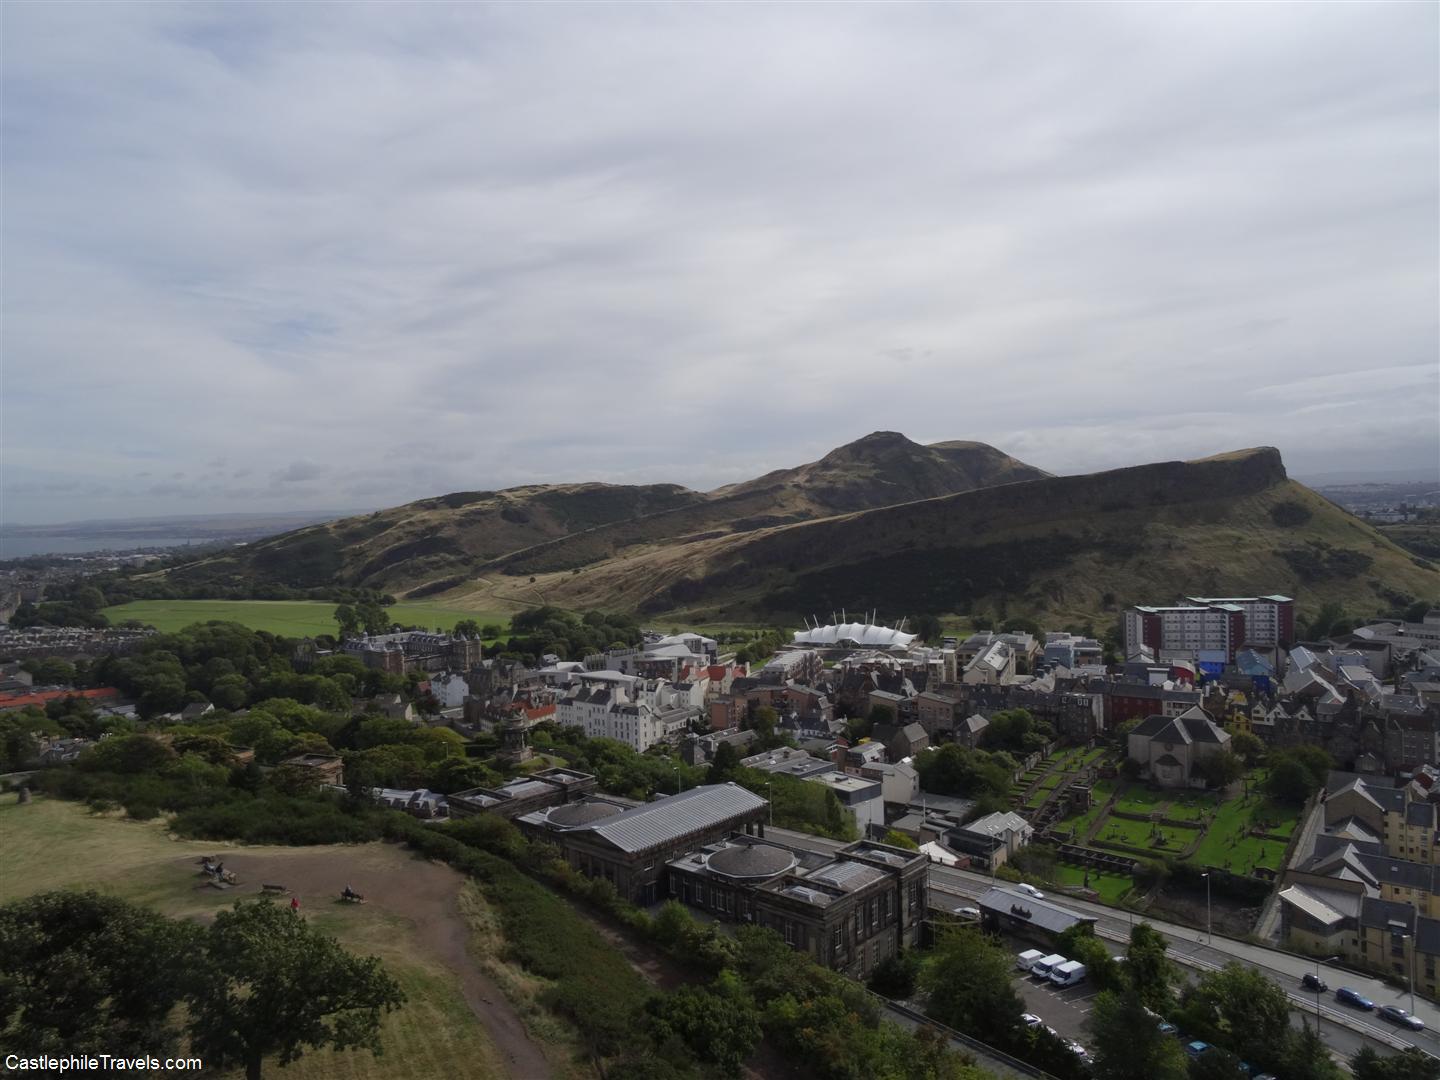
(273, 986)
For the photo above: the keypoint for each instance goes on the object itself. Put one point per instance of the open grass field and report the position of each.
(293, 618)
(413, 921)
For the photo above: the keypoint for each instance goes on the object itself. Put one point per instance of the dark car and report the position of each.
(1397, 1015)
(1314, 983)
(1353, 997)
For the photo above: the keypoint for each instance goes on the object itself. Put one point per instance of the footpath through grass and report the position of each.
(292, 618)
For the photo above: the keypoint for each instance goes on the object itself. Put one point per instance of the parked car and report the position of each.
(1346, 996)
(968, 912)
(1397, 1015)
(1031, 891)
(1313, 983)
(1030, 1020)
(1076, 1049)
(1197, 1048)
(1167, 1028)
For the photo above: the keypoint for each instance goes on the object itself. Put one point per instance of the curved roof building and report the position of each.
(863, 635)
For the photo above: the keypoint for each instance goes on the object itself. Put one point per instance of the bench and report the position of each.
(273, 889)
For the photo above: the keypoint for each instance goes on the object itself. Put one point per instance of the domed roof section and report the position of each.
(582, 813)
(750, 861)
(867, 635)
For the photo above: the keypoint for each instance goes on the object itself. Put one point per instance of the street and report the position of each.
(1344, 1029)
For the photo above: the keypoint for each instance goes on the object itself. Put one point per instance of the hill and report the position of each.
(435, 544)
(1062, 549)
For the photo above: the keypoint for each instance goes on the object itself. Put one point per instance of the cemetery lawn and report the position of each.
(1111, 887)
(413, 922)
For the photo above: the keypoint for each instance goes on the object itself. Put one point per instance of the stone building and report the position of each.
(849, 913)
(630, 846)
(535, 791)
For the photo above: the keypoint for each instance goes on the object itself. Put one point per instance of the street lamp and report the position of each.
(1209, 937)
(677, 779)
(1318, 984)
(1411, 939)
(770, 803)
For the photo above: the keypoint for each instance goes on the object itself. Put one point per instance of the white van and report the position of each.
(1026, 960)
(1068, 973)
(1041, 968)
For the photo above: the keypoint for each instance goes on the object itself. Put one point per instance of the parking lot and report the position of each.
(1064, 1009)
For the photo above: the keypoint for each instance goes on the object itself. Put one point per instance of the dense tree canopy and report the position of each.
(274, 986)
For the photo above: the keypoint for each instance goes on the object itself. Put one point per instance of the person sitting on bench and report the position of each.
(350, 894)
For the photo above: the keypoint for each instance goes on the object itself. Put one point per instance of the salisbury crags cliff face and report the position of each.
(432, 545)
(1069, 549)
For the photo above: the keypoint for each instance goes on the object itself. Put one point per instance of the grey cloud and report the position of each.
(410, 249)
(298, 472)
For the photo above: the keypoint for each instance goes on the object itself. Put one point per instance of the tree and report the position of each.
(900, 840)
(348, 620)
(1297, 772)
(1149, 970)
(929, 629)
(1409, 1064)
(1239, 1008)
(1248, 746)
(81, 972)
(1306, 1057)
(467, 627)
(968, 979)
(1080, 943)
(1128, 1042)
(273, 985)
(718, 1024)
(896, 976)
(1222, 769)
(722, 769)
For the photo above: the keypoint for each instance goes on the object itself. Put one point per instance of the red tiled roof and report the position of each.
(40, 697)
(543, 710)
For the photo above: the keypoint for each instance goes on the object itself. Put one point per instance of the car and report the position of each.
(1397, 1015)
(1076, 1049)
(1030, 1020)
(968, 912)
(1030, 890)
(1347, 996)
(1313, 982)
(1167, 1028)
(1197, 1048)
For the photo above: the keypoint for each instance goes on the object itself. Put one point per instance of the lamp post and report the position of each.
(677, 779)
(770, 803)
(1411, 939)
(1318, 962)
(1209, 937)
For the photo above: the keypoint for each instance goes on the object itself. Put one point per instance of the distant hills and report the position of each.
(882, 522)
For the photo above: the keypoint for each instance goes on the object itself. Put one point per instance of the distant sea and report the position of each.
(18, 547)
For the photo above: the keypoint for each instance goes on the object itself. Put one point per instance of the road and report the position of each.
(1344, 1029)
(951, 888)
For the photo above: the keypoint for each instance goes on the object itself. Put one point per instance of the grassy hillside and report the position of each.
(50, 845)
(1065, 549)
(293, 618)
(433, 545)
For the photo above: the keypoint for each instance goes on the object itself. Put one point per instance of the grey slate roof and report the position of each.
(1383, 913)
(1013, 904)
(666, 820)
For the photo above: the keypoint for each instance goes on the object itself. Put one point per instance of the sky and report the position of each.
(288, 256)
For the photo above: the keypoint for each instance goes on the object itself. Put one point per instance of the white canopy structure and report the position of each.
(865, 635)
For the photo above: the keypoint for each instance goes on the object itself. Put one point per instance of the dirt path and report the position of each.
(426, 894)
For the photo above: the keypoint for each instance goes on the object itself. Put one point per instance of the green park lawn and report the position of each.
(1191, 807)
(292, 618)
